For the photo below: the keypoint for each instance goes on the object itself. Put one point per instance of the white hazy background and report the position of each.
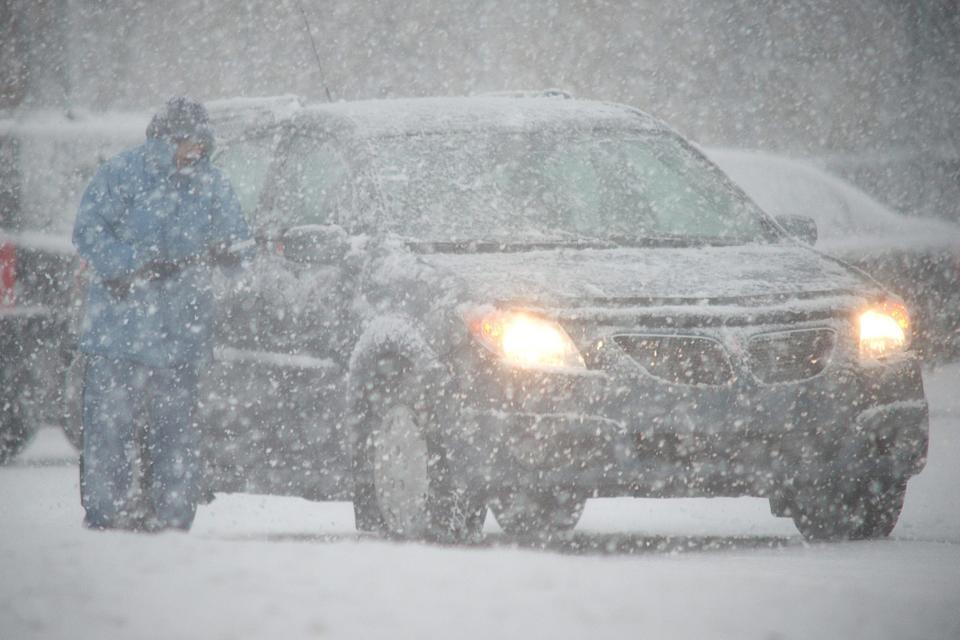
(871, 87)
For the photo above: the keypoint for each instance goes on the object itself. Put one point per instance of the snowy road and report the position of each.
(258, 567)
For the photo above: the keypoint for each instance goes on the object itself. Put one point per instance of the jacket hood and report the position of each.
(182, 118)
(158, 156)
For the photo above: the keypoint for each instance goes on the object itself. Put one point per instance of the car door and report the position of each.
(234, 386)
(275, 400)
(259, 421)
(303, 291)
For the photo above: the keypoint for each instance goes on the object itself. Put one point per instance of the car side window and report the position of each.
(318, 177)
(245, 163)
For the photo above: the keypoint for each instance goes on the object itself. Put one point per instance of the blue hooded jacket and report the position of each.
(139, 208)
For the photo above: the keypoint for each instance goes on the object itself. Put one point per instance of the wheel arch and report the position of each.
(394, 339)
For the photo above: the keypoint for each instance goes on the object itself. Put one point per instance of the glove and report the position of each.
(119, 288)
(159, 270)
(222, 257)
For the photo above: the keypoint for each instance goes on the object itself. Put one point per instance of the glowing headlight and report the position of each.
(884, 330)
(526, 340)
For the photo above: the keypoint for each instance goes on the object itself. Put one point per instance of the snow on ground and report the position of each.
(257, 566)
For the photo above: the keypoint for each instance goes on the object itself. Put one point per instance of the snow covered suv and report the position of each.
(523, 303)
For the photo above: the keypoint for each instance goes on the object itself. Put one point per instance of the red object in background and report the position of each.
(8, 273)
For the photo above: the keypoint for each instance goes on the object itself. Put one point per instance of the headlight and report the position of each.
(525, 340)
(884, 330)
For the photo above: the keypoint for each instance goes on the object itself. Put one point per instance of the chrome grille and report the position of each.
(790, 355)
(679, 359)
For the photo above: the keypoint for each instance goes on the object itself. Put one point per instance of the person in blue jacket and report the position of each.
(151, 224)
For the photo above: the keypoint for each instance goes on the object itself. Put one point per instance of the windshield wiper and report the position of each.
(491, 246)
(607, 242)
(672, 241)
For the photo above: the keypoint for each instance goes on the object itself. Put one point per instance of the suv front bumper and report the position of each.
(604, 435)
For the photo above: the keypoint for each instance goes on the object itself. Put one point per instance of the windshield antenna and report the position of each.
(313, 45)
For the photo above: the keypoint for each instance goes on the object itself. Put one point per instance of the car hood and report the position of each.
(708, 274)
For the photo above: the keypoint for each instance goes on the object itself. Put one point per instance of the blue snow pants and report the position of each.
(140, 465)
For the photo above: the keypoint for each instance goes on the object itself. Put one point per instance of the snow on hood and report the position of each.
(585, 275)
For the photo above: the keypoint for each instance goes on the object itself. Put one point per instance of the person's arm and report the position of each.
(95, 230)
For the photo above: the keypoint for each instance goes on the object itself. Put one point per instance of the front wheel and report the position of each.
(403, 482)
(16, 422)
(882, 503)
(537, 513)
(866, 511)
(15, 430)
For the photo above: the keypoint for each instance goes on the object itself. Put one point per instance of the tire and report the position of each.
(540, 513)
(15, 431)
(73, 400)
(366, 513)
(882, 502)
(403, 484)
(17, 426)
(867, 511)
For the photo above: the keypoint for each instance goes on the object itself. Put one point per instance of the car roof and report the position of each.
(232, 117)
(410, 116)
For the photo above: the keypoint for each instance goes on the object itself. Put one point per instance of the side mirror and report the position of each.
(802, 228)
(315, 244)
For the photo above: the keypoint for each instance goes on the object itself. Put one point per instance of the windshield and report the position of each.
(245, 164)
(521, 187)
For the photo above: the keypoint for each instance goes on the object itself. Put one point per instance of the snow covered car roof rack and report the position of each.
(254, 111)
(533, 93)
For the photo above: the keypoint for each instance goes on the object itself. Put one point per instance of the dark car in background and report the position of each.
(30, 331)
(917, 258)
(528, 302)
(46, 158)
